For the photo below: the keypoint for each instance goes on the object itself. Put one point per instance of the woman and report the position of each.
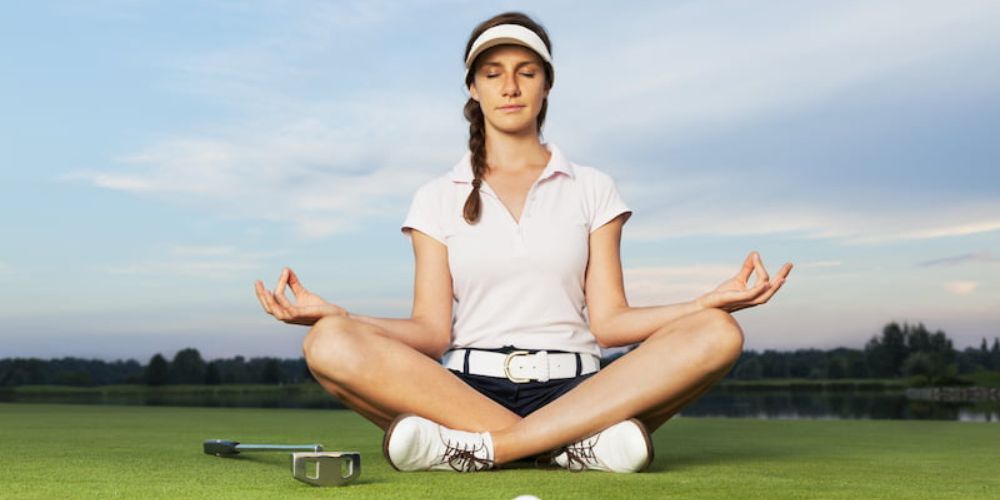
(522, 240)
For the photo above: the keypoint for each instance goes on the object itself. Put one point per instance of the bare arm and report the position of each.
(614, 323)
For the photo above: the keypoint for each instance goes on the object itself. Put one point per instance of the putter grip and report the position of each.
(220, 447)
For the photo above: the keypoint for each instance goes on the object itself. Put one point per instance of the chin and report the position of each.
(519, 127)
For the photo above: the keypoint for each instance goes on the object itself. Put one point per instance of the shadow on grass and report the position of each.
(281, 461)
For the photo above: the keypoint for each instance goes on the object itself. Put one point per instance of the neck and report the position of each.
(515, 153)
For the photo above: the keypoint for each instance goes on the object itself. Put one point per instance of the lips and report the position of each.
(512, 107)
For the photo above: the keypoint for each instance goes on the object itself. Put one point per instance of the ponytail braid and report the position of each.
(477, 148)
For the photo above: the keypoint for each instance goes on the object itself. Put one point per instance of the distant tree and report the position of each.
(750, 369)
(307, 375)
(930, 365)
(77, 378)
(187, 367)
(271, 374)
(156, 371)
(994, 359)
(774, 364)
(212, 376)
(836, 367)
(886, 354)
(235, 371)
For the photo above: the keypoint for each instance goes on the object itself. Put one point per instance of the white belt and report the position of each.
(522, 366)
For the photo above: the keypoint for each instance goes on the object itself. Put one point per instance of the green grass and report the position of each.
(74, 451)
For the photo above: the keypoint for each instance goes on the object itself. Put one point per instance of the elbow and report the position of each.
(440, 343)
(436, 350)
(604, 339)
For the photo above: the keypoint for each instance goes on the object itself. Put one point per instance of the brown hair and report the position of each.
(473, 112)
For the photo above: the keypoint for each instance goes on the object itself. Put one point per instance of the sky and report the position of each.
(158, 157)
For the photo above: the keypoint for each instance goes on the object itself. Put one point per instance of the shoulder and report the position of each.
(593, 181)
(591, 175)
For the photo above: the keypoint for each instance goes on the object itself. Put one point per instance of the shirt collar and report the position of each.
(462, 171)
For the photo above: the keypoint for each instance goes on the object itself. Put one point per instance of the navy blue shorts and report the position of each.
(520, 398)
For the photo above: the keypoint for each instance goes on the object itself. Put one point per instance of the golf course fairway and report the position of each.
(81, 451)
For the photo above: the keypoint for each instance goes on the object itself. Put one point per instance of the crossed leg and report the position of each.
(380, 378)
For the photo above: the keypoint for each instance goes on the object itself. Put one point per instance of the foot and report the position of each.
(414, 443)
(623, 447)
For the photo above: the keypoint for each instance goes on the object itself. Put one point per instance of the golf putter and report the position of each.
(311, 464)
(333, 468)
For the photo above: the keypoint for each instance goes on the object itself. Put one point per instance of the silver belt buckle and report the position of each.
(506, 367)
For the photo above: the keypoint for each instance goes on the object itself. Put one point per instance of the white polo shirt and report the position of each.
(519, 283)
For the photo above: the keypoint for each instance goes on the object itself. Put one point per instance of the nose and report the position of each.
(510, 88)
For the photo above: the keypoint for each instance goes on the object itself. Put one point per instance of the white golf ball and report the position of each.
(526, 497)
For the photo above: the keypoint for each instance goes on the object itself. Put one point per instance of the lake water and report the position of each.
(720, 402)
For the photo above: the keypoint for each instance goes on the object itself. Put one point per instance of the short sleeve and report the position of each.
(424, 214)
(607, 203)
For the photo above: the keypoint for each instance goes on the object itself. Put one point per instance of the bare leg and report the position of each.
(380, 377)
(673, 366)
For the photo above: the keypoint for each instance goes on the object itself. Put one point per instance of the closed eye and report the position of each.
(529, 75)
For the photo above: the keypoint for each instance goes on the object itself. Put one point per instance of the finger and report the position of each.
(744, 274)
(773, 289)
(273, 307)
(761, 271)
(283, 302)
(279, 289)
(785, 269)
(735, 297)
(259, 290)
(295, 283)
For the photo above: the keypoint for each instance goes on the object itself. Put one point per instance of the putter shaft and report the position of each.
(226, 448)
(280, 447)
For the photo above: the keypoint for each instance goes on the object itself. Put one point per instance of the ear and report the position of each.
(473, 92)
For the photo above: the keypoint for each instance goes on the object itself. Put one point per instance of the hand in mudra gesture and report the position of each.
(308, 307)
(733, 294)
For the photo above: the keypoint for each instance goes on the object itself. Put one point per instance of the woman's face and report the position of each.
(509, 85)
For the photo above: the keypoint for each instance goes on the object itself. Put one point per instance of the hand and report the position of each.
(307, 310)
(733, 295)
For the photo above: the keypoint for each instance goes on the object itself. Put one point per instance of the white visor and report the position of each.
(508, 34)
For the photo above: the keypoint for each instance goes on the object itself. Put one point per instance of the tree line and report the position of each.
(186, 367)
(900, 351)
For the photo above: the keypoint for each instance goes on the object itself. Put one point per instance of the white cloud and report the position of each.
(961, 287)
(975, 257)
(325, 173)
(328, 165)
(691, 70)
(856, 223)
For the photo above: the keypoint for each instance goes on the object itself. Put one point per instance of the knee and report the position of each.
(723, 337)
(332, 348)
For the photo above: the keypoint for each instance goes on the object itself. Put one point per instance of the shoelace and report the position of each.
(579, 454)
(463, 457)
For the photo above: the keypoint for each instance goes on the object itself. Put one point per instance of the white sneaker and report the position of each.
(414, 443)
(623, 447)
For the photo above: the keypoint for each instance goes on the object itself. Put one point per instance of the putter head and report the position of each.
(221, 447)
(333, 468)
